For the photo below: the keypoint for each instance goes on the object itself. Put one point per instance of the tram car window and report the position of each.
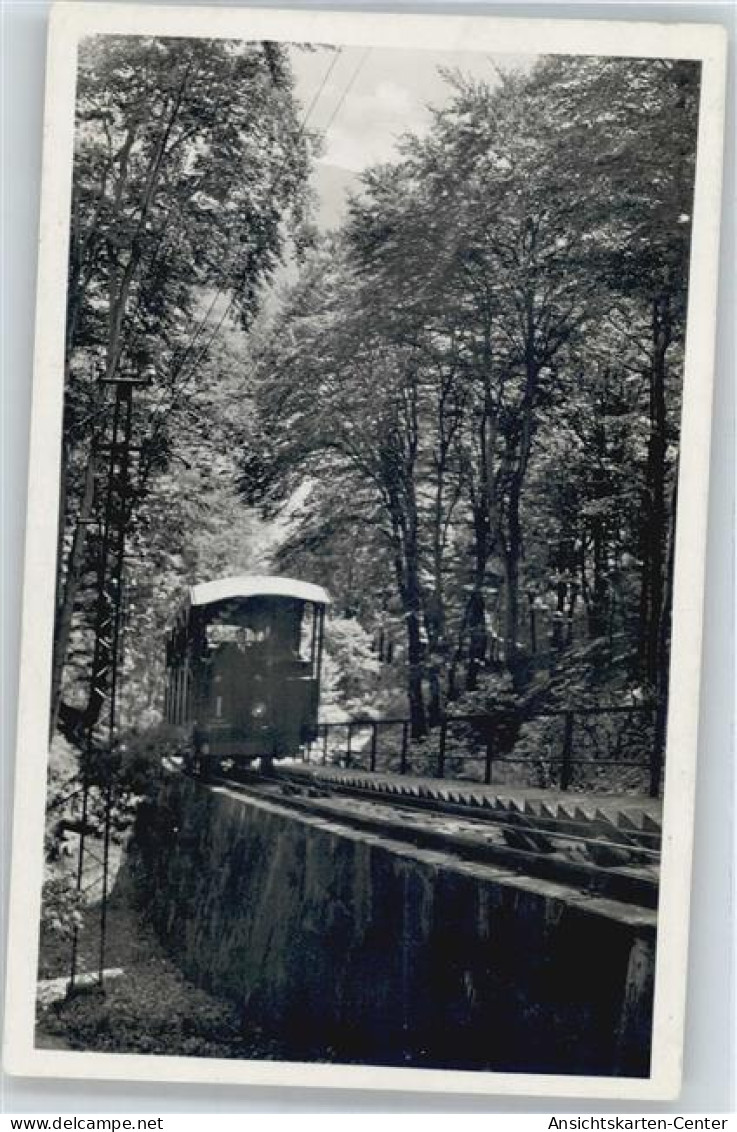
(243, 660)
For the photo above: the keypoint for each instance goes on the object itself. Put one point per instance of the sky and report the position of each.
(365, 98)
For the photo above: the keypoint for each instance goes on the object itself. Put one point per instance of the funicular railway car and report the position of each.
(243, 666)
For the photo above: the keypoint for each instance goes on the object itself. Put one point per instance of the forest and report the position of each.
(458, 410)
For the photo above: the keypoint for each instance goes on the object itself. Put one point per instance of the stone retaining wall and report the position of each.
(348, 947)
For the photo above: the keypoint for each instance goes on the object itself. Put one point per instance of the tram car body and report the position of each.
(243, 666)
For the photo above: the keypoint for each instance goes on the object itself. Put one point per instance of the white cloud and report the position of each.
(368, 124)
(367, 100)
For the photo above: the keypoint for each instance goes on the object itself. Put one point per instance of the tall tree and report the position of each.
(190, 168)
(507, 295)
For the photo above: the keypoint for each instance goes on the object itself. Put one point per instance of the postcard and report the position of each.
(365, 553)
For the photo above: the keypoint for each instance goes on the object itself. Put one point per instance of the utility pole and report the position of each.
(114, 456)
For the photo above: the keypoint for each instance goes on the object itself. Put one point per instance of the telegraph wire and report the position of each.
(277, 182)
(347, 90)
(275, 186)
(322, 86)
(131, 334)
(194, 338)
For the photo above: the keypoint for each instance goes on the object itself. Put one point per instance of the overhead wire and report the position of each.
(130, 334)
(347, 90)
(223, 281)
(280, 173)
(277, 182)
(194, 338)
(321, 88)
(159, 409)
(301, 130)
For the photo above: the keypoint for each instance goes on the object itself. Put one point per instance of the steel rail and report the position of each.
(622, 884)
(637, 842)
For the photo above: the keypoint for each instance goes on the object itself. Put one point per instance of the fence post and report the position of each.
(441, 750)
(348, 747)
(405, 739)
(374, 731)
(325, 744)
(489, 757)
(566, 763)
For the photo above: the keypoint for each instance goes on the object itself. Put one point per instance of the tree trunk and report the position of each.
(559, 616)
(415, 661)
(477, 635)
(517, 463)
(572, 598)
(512, 648)
(655, 518)
(415, 645)
(402, 509)
(661, 681)
(598, 609)
(484, 517)
(512, 557)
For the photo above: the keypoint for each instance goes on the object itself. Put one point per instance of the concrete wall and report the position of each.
(353, 948)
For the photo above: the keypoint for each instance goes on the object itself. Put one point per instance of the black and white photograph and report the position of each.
(366, 537)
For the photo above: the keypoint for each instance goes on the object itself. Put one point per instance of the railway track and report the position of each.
(591, 857)
(584, 829)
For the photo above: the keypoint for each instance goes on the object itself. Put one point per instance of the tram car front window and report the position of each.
(244, 661)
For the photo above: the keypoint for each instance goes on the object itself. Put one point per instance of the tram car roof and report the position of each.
(256, 585)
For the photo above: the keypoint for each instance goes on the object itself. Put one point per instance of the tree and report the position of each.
(639, 120)
(487, 361)
(190, 169)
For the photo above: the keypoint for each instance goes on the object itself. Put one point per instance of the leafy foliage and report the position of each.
(190, 174)
(462, 418)
(61, 907)
(154, 1010)
(480, 379)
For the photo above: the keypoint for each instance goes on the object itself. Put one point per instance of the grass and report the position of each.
(150, 1009)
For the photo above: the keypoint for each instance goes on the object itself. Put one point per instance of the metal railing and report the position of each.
(366, 742)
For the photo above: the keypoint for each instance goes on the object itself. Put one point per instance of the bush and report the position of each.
(61, 907)
(141, 754)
